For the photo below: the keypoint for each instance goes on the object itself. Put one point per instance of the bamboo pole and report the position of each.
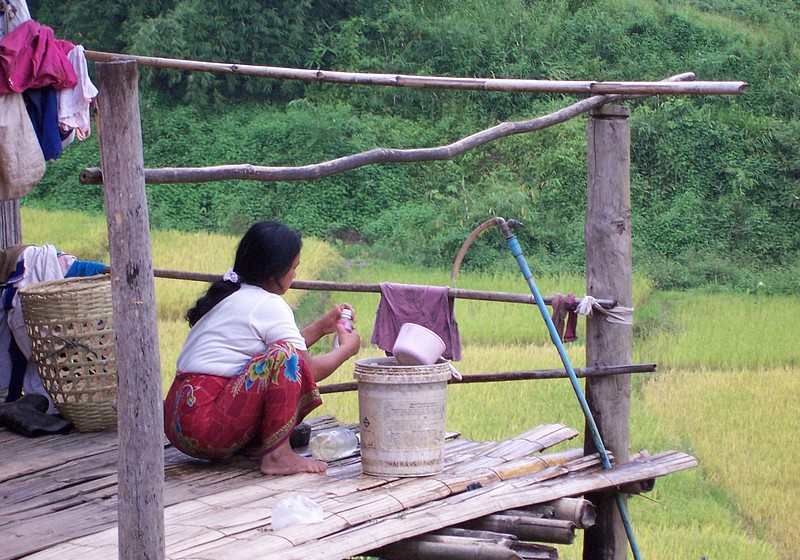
(579, 511)
(329, 286)
(461, 544)
(446, 547)
(517, 376)
(249, 172)
(527, 527)
(587, 87)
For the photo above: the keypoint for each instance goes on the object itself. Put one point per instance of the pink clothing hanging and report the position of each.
(31, 57)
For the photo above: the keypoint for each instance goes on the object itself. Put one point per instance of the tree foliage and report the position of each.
(715, 179)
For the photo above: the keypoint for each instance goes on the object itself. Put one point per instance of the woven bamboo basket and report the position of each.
(72, 339)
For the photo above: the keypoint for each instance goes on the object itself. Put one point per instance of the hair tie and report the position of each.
(230, 276)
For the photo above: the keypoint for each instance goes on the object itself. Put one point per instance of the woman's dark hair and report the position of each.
(266, 251)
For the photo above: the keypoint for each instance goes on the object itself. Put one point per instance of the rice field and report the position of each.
(727, 388)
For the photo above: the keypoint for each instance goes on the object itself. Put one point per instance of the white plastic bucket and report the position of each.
(402, 417)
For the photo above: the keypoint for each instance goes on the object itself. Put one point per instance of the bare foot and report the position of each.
(285, 461)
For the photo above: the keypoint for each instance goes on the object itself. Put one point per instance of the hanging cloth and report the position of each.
(31, 57)
(15, 12)
(428, 306)
(74, 102)
(42, 106)
(21, 160)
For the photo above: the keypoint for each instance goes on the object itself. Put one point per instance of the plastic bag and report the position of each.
(295, 509)
(329, 445)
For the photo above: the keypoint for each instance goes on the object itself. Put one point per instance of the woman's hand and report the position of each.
(325, 324)
(329, 321)
(349, 339)
(323, 365)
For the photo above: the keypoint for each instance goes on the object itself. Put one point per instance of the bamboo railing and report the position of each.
(580, 87)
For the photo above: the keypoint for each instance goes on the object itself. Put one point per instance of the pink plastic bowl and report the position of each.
(417, 346)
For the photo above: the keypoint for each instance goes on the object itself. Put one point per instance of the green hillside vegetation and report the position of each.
(715, 179)
(726, 390)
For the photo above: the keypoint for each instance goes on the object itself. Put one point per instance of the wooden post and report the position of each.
(10, 227)
(607, 235)
(139, 396)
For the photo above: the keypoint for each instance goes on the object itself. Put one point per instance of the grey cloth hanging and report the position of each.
(21, 160)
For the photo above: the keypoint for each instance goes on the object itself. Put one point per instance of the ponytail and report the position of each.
(266, 252)
(218, 291)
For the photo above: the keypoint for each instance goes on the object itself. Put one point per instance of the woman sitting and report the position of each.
(245, 377)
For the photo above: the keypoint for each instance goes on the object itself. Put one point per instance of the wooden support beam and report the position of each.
(139, 397)
(373, 287)
(315, 171)
(607, 236)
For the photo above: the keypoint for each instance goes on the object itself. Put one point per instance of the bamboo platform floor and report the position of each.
(58, 496)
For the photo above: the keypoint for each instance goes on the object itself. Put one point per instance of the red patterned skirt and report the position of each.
(211, 417)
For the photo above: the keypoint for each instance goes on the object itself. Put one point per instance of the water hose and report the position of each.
(516, 251)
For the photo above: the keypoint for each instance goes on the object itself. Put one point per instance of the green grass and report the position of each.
(727, 388)
(699, 330)
(741, 424)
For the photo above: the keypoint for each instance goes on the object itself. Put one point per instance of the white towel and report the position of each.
(74, 102)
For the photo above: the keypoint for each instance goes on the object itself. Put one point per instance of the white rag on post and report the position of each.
(617, 314)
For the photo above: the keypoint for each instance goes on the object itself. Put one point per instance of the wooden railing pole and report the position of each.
(607, 235)
(139, 396)
(10, 226)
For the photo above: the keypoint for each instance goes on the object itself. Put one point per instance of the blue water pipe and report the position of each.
(513, 245)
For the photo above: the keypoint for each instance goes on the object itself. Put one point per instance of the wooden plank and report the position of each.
(32, 455)
(38, 501)
(359, 498)
(358, 511)
(225, 510)
(529, 442)
(46, 532)
(438, 514)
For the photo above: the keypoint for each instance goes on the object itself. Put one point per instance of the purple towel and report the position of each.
(428, 306)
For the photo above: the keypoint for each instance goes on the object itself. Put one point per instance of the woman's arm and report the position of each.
(323, 365)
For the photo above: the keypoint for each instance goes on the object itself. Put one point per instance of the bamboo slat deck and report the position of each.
(58, 496)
